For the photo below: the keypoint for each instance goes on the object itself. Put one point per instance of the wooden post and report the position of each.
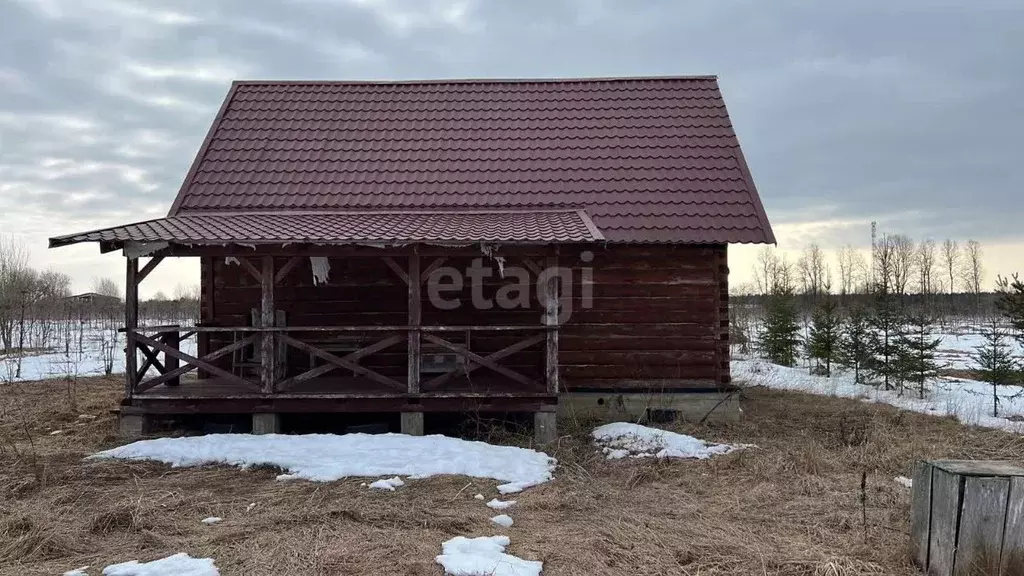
(268, 358)
(172, 339)
(545, 427)
(281, 366)
(131, 322)
(206, 308)
(551, 295)
(415, 317)
(965, 518)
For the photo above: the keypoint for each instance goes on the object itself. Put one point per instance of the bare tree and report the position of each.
(903, 251)
(16, 282)
(813, 271)
(951, 261)
(925, 266)
(883, 261)
(856, 268)
(186, 292)
(764, 270)
(973, 272)
(106, 287)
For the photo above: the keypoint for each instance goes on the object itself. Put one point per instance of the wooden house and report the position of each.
(366, 246)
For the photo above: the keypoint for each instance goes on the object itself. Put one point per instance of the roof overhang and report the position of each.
(375, 228)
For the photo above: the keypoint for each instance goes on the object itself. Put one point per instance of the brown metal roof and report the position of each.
(649, 159)
(553, 226)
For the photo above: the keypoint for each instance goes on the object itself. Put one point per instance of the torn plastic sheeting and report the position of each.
(321, 267)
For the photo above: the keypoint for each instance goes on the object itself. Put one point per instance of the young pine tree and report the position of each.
(888, 323)
(857, 342)
(823, 338)
(1010, 303)
(918, 351)
(994, 361)
(780, 336)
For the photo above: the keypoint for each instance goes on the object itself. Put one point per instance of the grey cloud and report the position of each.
(848, 111)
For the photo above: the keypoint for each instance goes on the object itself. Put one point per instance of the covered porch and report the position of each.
(343, 327)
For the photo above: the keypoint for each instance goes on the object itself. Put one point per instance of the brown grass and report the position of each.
(790, 507)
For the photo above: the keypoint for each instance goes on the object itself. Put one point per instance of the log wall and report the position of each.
(657, 319)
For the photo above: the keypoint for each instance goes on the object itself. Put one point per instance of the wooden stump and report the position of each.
(967, 518)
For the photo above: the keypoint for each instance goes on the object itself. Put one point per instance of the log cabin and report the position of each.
(413, 247)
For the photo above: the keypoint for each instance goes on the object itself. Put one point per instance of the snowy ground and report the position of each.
(87, 360)
(621, 439)
(957, 349)
(177, 565)
(326, 457)
(969, 401)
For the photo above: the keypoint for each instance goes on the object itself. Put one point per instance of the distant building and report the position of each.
(93, 299)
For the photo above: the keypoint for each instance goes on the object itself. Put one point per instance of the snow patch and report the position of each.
(479, 497)
(622, 438)
(211, 520)
(77, 572)
(329, 457)
(970, 401)
(496, 504)
(180, 564)
(484, 556)
(904, 481)
(387, 484)
(503, 520)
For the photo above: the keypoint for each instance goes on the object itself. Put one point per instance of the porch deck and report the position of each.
(337, 394)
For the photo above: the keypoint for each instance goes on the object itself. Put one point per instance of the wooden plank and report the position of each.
(197, 362)
(980, 537)
(465, 352)
(328, 357)
(1012, 555)
(281, 363)
(979, 467)
(342, 403)
(268, 359)
(945, 519)
(920, 513)
(220, 352)
(131, 321)
(151, 359)
(415, 315)
(149, 267)
(340, 329)
(656, 357)
(551, 293)
(341, 251)
(532, 266)
(397, 269)
(351, 358)
(286, 269)
(504, 352)
(248, 267)
(437, 263)
(172, 339)
(609, 373)
(613, 343)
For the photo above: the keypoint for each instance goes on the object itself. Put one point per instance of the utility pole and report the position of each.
(874, 252)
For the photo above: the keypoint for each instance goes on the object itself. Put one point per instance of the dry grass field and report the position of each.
(790, 507)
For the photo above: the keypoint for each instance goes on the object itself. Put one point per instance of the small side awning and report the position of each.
(340, 228)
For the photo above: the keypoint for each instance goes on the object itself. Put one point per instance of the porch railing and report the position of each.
(159, 346)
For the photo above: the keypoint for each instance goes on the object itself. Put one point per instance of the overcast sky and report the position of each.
(908, 113)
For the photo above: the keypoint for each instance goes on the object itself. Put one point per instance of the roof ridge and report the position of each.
(429, 81)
